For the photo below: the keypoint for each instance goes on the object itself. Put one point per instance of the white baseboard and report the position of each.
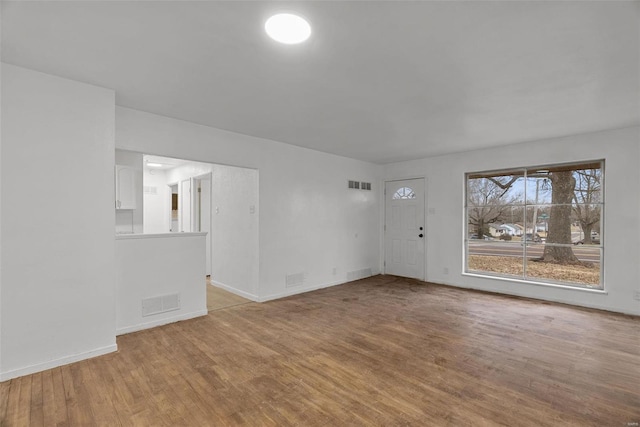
(554, 299)
(301, 290)
(289, 292)
(160, 322)
(235, 291)
(32, 369)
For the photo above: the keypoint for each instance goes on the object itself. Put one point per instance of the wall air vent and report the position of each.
(150, 190)
(161, 304)
(296, 279)
(357, 185)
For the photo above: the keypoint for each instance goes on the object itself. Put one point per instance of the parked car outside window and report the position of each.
(530, 237)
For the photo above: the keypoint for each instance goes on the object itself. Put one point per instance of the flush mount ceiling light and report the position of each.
(287, 28)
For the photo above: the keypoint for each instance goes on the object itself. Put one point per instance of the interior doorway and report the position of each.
(201, 212)
(220, 200)
(184, 213)
(174, 211)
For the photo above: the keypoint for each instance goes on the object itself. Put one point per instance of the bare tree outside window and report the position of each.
(563, 185)
(587, 199)
(540, 224)
(489, 201)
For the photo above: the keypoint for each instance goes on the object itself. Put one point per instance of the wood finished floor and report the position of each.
(381, 351)
(218, 298)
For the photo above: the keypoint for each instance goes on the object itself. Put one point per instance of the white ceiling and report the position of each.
(377, 81)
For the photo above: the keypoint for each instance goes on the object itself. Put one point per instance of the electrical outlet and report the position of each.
(636, 296)
(445, 270)
(335, 271)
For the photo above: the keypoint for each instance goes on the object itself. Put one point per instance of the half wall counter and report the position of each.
(160, 279)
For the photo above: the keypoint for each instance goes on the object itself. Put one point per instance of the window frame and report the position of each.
(410, 196)
(522, 171)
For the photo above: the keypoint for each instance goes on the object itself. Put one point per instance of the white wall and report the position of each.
(0, 193)
(187, 171)
(58, 302)
(234, 228)
(171, 264)
(130, 220)
(232, 244)
(205, 215)
(156, 207)
(445, 196)
(310, 222)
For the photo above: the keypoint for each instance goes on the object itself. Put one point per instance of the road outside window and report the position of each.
(540, 224)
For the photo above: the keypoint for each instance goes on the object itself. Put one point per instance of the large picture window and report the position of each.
(540, 224)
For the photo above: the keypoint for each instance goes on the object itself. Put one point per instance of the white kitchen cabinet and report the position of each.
(126, 190)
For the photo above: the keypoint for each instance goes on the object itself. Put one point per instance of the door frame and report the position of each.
(170, 205)
(182, 204)
(384, 221)
(204, 177)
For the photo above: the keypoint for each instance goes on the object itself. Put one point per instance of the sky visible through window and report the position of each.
(542, 224)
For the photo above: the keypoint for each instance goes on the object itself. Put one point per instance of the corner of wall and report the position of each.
(0, 195)
(63, 286)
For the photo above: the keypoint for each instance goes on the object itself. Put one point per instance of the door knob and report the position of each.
(420, 235)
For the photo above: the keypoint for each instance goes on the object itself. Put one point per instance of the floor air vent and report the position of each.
(161, 304)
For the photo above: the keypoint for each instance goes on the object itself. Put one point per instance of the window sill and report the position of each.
(529, 282)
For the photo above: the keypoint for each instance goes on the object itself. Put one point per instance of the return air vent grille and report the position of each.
(153, 191)
(357, 185)
(292, 280)
(161, 304)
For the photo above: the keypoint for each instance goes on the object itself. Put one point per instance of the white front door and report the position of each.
(404, 228)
